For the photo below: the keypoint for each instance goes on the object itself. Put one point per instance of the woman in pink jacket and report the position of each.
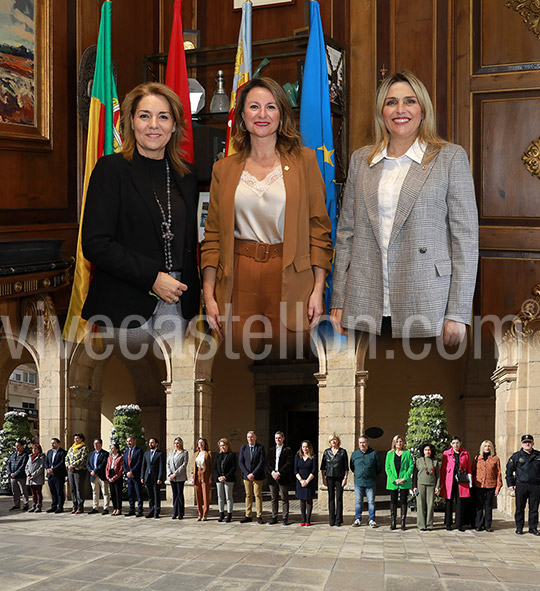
(456, 482)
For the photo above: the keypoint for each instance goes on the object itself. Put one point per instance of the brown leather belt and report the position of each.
(260, 251)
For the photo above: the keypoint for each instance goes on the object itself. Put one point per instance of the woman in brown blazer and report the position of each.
(267, 244)
(202, 477)
(487, 481)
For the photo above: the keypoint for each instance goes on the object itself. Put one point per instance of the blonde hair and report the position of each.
(225, 441)
(334, 436)
(427, 131)
(288, 138)
(394, 441)
(181, 442)
(129, 107)
(484, 443)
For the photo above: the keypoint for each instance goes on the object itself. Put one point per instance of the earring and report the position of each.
(242, 125)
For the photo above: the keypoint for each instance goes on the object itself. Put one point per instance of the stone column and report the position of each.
(339, 410)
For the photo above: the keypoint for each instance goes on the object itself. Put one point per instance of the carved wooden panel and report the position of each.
(506, 283)
(510, 35)
(509, 124)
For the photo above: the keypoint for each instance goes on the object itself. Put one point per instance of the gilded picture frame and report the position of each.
(237, 4)
(26, 75)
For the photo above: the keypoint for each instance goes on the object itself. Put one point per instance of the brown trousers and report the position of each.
(257, 294)
(202, 493)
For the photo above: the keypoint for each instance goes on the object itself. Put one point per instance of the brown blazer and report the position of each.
(207, 470)
(487, 473)
(306, 241)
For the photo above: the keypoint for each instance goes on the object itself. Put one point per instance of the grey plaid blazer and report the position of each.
(432, 254)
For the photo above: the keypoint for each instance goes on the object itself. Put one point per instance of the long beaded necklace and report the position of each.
(166, 224)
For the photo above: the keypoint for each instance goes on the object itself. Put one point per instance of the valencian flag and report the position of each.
(316, 120)
(176, 78)
(242, 68)
(103, 138)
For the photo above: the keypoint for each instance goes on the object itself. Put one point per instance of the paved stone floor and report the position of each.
(75, 552)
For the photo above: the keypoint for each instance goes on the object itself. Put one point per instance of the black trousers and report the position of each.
(403, 493)
(57, 492)
(154, 498)
(178, 498)
(460, 507)
(115, 490)
(524, 492)
(484, 506)
(335, 500)
(134, 492)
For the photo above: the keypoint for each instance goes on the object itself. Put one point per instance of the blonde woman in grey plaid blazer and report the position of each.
(407, 239)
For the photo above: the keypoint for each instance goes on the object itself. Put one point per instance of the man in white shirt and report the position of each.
(279, 473)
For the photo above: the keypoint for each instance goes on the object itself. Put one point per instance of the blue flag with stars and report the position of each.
(316, 120)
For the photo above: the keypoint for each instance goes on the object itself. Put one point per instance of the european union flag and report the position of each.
(316, 120)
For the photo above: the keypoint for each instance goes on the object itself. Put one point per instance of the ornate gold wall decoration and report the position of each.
(531, 158)
(529, 10)
(41, 313)
(527, 321)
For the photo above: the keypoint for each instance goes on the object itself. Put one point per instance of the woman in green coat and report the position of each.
(399, 468)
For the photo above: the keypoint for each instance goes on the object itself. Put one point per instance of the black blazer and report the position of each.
(254, 464)
(121, 236)
(285, 465)
(225, 465)
(101, 464)
(59, 465)
(153, 469)
(136, 462)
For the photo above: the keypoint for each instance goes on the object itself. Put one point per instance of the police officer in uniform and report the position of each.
(523, 476)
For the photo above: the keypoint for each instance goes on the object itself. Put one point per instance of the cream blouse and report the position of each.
(259, 207)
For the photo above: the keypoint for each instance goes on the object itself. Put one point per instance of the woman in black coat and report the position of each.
(335, 469)
(225, 477)
(305, 472)
(140, 222)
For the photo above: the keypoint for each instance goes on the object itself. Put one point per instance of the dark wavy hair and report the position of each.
(423, 447)
(288, 140)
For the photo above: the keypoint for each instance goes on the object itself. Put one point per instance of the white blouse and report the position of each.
(392, 177)
(259, 207)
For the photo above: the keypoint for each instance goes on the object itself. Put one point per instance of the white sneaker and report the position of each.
(372, 523)
(357, 522)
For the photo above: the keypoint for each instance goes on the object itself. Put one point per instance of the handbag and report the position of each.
(462, 477)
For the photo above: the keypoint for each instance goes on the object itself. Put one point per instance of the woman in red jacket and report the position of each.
(456, 482)
(114, 472)
(487, 483)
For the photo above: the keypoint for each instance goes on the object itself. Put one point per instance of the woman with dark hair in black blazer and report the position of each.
(140, 223)
(335, 469)
(114, 472)
(225, 477)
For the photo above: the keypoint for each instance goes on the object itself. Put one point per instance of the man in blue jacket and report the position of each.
(365, 465)
(96, 465)
(132, 462)
(17, 476)
(55, 468)
(251, 462)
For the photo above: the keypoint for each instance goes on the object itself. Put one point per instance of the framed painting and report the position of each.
(25, 74)
(237, 4)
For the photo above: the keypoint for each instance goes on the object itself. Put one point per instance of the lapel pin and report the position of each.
(286, 168)
(424, 167)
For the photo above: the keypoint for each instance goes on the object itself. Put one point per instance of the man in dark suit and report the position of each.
(132, 462)
(279, 465)
(153, 475)
(55, 468)
(96, 465)
(251, 461)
